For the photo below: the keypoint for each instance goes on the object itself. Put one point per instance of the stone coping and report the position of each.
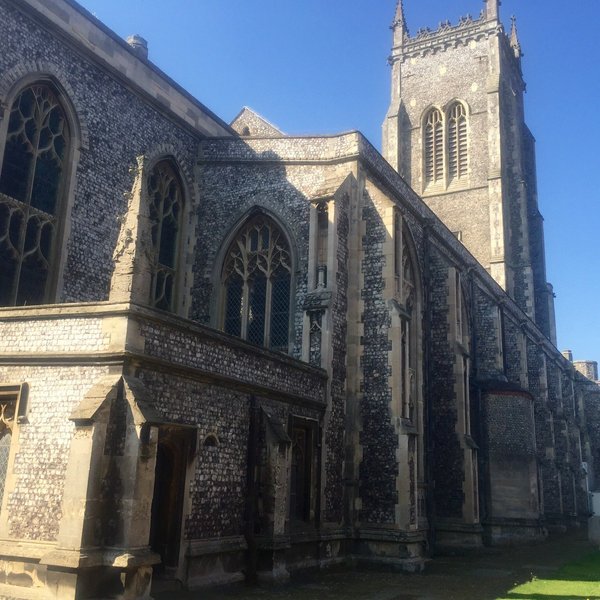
(11, 548)
(120, 345)
(83, 310)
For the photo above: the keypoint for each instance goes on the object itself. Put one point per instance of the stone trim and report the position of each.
(26, 73)
(210, 546)
(14, 548)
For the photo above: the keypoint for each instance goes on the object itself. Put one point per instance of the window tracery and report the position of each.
(457, 142)
(256, 282)
(31, 186)
(434, 147)
(406, 297)
(166, 209)
(445, 146)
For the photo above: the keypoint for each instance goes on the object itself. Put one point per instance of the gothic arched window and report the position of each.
(406, 296)
(166, 208)
(457, 142)
(445, 147)
(434, 147)
(256, 285)
(32, 183)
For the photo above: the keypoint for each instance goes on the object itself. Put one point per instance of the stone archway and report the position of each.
(175, 446)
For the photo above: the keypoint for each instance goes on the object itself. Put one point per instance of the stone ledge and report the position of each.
(24, 549)
(389, 535)
(22, 593)
(216, 546)
(101, 557)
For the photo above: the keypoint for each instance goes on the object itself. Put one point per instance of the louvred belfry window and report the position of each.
(166, 208)
(434, 147)
(457, 142)
(256, 285)
(31, 189)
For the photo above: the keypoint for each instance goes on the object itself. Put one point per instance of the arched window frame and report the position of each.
(166, 165)
(457, 125)
(434, 143)
(65, 192)
(445, 147)
(220, 308)
(407, 299)
(406, 380)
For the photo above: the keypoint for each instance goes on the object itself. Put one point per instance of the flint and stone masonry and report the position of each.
(325, 361)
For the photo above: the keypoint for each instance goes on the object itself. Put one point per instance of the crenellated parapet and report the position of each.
(446, 36)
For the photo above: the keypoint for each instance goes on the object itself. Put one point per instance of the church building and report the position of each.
(228, 353)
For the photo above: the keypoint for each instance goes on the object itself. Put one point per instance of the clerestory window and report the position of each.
(166, 209)
(32, 186)
(256, 282)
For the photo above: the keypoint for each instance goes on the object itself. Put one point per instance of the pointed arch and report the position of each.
(166, 207)
(458, 141)
(39, 152)
(407, 409)
(433, 146)
(257, 282)
(409, 297)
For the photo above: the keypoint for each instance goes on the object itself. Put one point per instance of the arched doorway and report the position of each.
(173, 452)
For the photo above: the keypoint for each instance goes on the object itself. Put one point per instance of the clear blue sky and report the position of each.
(319, 66)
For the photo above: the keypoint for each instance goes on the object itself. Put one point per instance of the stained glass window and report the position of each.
(256, 285)
(31, 186)
(166, 208)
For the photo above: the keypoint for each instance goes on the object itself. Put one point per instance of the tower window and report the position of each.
(434, 147)
(166, 207)
(445, 146)
(457, 142)
(31, 189)
(256, 285)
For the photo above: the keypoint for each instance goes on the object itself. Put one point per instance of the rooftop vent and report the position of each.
(139, 45)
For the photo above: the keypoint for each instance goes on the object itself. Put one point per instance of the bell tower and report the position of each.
(455, 130)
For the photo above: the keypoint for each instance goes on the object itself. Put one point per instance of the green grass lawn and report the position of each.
(575, 581)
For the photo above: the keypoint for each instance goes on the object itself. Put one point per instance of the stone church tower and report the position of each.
(455, 130)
